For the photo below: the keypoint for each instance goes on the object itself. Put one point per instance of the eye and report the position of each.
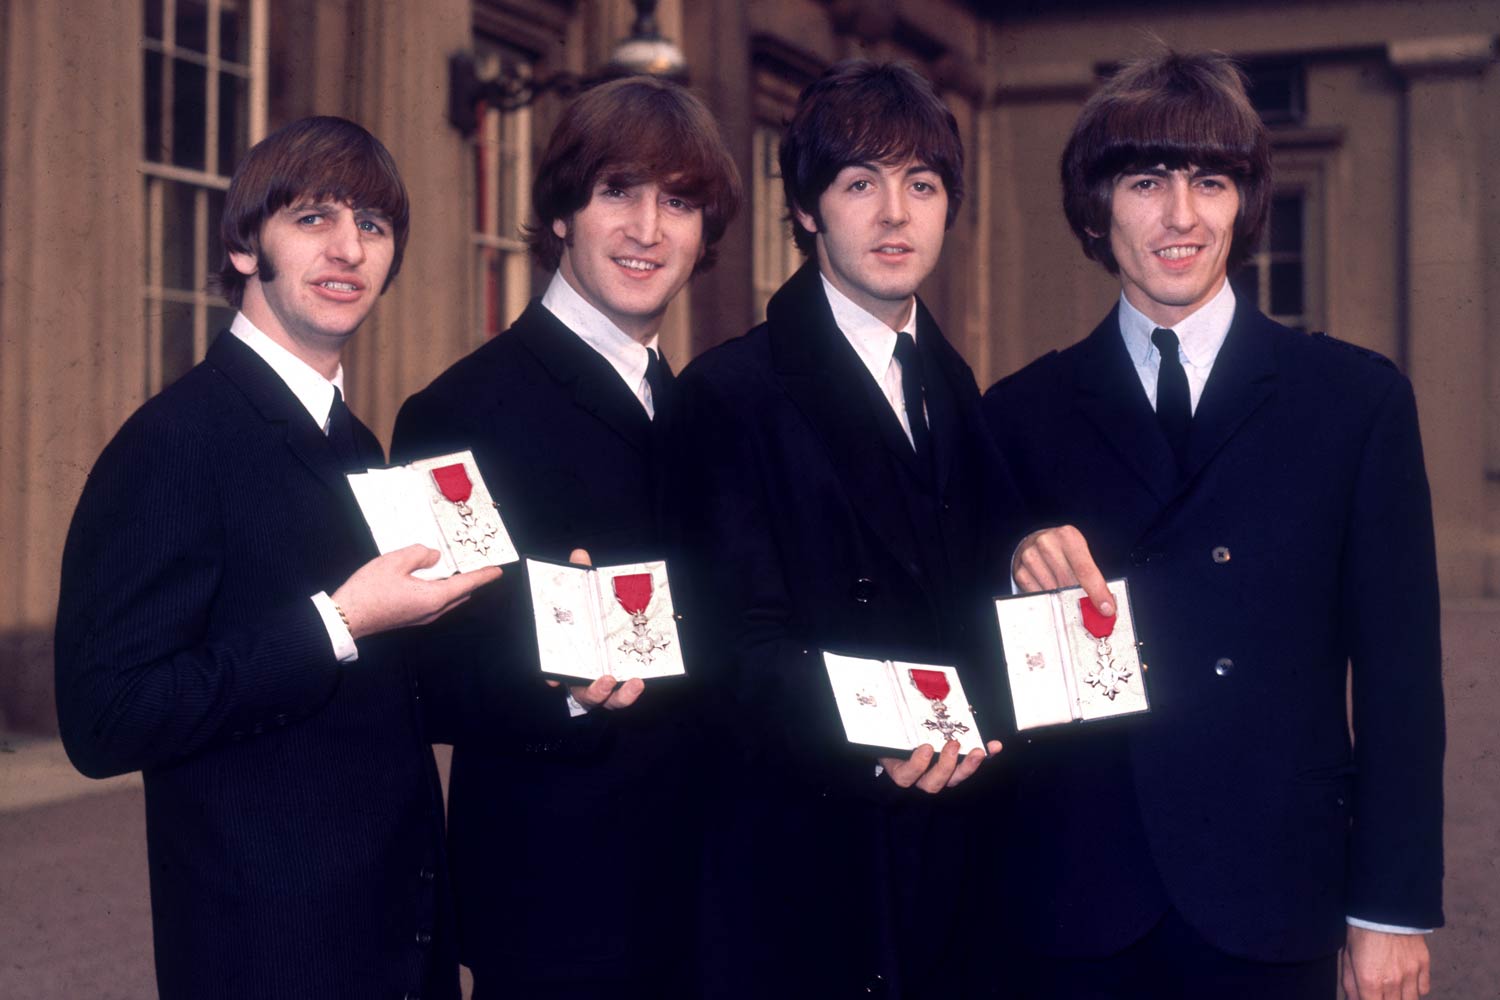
(372, 227)
(924, 187)
(1144, 184)
(862, 184)
(678, 204)
(611, 192)
(1213, 183)
(310, 219)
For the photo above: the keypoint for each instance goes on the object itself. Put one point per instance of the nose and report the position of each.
(645, 222)
(1180, 212)
(345, 242)
(894, 210)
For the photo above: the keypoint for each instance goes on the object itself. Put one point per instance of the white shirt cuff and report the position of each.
(1371, 925)
(575, 709)
(338, 632)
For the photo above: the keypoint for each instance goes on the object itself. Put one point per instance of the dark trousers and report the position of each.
(1174, 962)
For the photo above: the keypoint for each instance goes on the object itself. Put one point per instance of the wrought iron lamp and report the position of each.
(645, 52)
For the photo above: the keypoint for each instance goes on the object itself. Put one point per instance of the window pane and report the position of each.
(192, 25)
(153, 151)
(1286, 224)
(233, 34)
(177, 235)
(152, 10)
(176, 340)
(189, 88)
(233, 102)
(1286, 288)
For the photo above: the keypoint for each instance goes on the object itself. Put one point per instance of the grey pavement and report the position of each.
(75, 920)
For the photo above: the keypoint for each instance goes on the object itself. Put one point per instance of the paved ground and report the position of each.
(75, 919)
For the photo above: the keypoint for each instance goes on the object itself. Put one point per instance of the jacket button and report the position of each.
(1221, 554)
(281, 720)
(424, 938)
(863, 590)
(426, 874)
(1223, 666)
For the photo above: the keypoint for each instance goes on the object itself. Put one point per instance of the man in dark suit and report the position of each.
(575, 851)
(220, 620)
(837, 490)
(1272, 516)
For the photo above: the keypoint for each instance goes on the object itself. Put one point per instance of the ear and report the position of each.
(243, 261)
(805, 220)
(560, 229)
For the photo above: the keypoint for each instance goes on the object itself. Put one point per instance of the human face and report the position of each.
(630, 250)
(328, 262)
(882, 232)
(1170, 231)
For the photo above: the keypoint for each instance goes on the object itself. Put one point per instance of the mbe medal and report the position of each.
(633, 591)
(1106, 675)
(453, 482)
(933, 685)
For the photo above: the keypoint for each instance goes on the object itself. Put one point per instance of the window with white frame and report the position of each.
(502, 179)
(204, 104)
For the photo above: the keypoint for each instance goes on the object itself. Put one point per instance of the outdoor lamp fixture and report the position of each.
(644, 53)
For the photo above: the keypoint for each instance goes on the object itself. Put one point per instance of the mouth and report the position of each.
(893, 249)
(636, 264)
(1179, 252)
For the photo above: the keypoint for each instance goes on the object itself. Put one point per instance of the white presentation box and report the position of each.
(440, 502)
(616, 620)
(900, 706)
(1068, 663)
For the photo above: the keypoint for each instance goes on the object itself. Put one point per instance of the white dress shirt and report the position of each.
(875, 343)
(1199, 338)
(626, 355)
(315, 393)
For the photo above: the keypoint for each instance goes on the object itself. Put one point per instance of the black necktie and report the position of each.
(341, 434)
(656, 378)
(1173, 407)
(911, 392)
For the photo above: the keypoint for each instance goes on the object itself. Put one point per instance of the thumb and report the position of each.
(580, 557)
(413, 557)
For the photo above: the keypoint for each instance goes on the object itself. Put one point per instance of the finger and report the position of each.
(594, 695)
(1424, 977)
(906, 772)
(966, 767)
(1081, 562)
(552, 684)
(1025, 582)
(626, 694)
(580, 557)
(936, 778)
(1039, 566)
(1351, 987)
(994, 746)
(414, 556)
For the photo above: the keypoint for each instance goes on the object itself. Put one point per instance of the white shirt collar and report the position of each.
(312, 390)
(625, 354)
(1199, 336)
(872, 339)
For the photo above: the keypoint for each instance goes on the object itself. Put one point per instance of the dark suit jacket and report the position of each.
(810, 527)
(573, 842)
(293, 816)
(1299, 539)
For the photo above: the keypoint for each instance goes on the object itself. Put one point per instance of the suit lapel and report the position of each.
(1242, 380)
(832, 389)
(269, 395)
(1110, 396)
(942, 379)
(597, 388)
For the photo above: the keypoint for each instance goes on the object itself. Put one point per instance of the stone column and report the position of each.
(1444, 338)
(72, 338)
(399, 91)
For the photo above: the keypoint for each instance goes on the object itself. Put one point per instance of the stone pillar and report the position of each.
(72, 337)
(1444, 338)
(716, 41)
(399, 91)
